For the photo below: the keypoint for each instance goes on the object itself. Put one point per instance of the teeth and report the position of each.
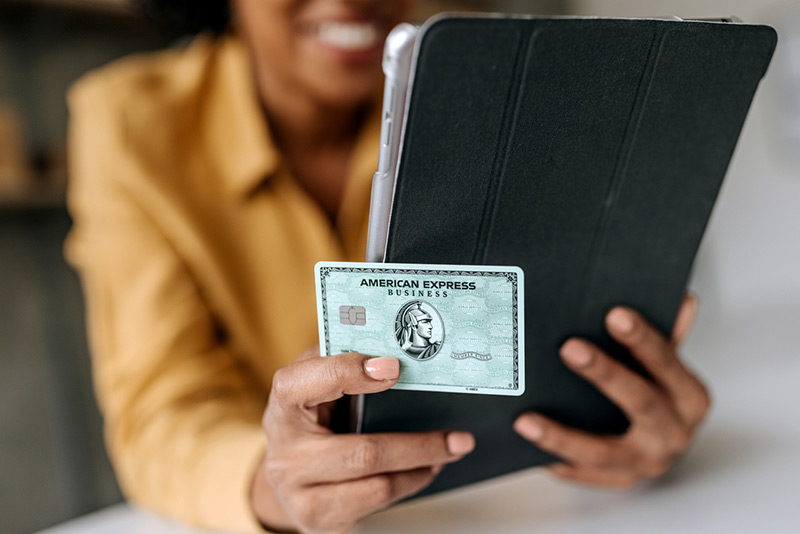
(349, 35)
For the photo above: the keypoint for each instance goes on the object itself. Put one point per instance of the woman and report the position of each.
(205, 184)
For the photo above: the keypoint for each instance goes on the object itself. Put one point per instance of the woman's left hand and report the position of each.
(664, 412)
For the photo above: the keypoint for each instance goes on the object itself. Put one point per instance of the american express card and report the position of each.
(454, 328)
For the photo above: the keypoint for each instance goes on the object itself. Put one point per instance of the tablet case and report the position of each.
(589, 152)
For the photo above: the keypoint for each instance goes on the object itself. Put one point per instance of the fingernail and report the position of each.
(529, 428)
(576, 353)
(386, 368)
(460, 443)
(620, 320)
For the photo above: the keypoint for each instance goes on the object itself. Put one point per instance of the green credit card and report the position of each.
(454, 328)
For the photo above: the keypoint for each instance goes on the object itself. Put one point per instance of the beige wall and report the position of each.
(749, 10)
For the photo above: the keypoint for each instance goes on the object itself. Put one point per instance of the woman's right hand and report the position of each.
(316, 481)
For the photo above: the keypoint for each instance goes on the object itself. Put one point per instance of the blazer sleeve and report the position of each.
(182, 415)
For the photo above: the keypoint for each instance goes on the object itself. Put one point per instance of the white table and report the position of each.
(741, 475)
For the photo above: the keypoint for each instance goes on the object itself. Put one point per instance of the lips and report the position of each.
(350, 36)
(356, 41)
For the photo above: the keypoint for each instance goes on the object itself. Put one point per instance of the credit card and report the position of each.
(454, 328)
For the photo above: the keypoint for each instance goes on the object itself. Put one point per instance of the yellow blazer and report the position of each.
(196, 251)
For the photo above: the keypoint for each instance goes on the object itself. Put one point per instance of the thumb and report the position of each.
(314, 381)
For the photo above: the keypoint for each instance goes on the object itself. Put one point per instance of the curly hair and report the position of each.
(188, 16)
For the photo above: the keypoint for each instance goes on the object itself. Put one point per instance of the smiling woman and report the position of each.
(205, 183)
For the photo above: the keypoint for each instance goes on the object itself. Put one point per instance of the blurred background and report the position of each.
(52, 462)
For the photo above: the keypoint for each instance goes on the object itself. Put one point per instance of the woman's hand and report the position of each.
(316, 481)
(663, 413)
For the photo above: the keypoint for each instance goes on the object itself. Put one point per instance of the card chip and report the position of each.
(353, 315)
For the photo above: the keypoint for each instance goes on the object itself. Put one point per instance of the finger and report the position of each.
(639, 398)
(309, 383)
(647, 344)
(352, 456)
(310, 353)
(659, 357)
(605, 478)
(685, 319)
(337, 507)
(652, 350)
(570, 444)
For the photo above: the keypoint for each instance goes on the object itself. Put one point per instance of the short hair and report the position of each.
(188, 16)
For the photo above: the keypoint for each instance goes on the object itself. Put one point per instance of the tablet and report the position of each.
(589, 152)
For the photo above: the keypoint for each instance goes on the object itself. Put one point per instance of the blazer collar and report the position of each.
(239, 144)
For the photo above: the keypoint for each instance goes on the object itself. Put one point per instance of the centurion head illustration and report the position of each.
(414, 330)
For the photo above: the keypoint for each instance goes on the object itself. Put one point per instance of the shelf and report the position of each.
(45, 191)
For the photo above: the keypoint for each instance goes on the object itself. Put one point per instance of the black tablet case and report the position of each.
(589, 152)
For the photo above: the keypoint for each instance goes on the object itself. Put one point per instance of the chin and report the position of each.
(350, 93)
